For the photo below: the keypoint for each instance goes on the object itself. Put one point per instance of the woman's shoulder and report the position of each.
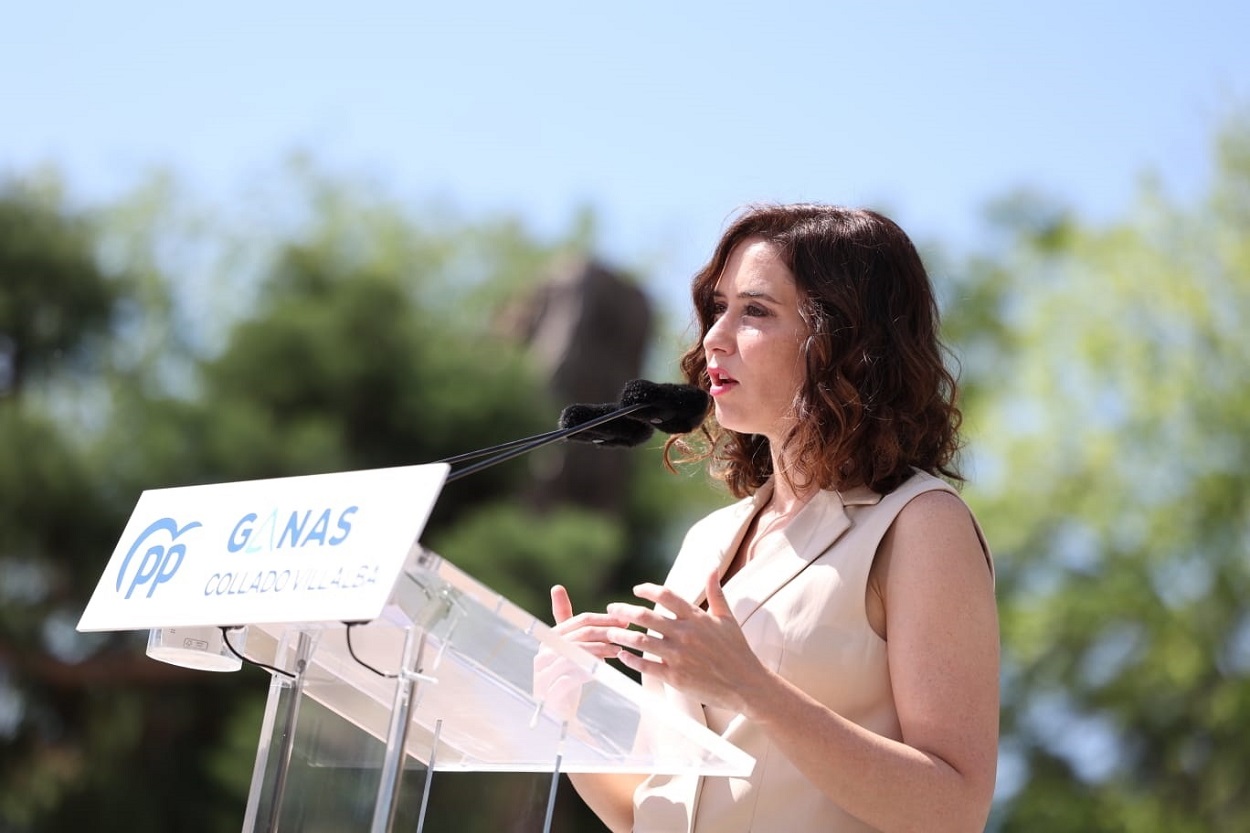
(927, 497)
(922, 482)
(863, 501)
(932, 510)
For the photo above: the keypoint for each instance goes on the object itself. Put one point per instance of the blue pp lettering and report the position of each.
(159, 562)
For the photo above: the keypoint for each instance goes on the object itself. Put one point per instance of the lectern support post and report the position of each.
(555, 782)
(429, 776)
(280, 724)
(397, 734)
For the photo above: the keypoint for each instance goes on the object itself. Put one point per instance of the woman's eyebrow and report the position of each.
(748, 293)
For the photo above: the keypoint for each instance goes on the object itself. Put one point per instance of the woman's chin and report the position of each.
(727, 421)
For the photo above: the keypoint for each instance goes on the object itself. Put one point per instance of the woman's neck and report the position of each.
(784, 492)
(786, 499)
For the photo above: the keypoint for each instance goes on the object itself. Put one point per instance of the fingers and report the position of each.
(588, 623)
(639, 663)
(636, 640)
(716, 603)
(644, 617)
(665, 598)
(586, 630)
(592, 638)
(561, 605)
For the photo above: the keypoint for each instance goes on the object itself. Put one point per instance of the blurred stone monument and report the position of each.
(587, 328)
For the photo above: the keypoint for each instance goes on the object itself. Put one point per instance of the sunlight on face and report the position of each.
(753, 347)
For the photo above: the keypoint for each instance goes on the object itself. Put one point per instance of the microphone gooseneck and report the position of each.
(673, 409)
(618, 433)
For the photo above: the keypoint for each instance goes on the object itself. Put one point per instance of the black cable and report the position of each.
(352, 651)
(225, 638)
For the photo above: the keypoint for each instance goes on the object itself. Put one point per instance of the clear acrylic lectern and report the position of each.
(452, 677)
(389, 665)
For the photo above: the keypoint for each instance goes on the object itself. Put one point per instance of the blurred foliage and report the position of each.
(55, 296)
(513, 545)
(1108, 408)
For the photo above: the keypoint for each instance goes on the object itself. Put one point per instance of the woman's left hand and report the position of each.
(702, 653)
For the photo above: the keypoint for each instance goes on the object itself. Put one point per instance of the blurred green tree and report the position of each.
(1108, 408)
(54, 297)
(58, 306)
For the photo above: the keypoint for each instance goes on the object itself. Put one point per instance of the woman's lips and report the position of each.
(720, 381)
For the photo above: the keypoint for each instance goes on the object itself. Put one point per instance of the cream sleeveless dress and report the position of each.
(801, 607)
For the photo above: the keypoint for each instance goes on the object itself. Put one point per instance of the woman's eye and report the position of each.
(756, 311)
(717, 310)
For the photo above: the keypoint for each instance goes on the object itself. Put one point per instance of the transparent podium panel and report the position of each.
(452, 677)
(335, 771)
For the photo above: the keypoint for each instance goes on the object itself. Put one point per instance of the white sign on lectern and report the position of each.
(326, 547)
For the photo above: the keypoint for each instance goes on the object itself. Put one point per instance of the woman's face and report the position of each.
(753, 347)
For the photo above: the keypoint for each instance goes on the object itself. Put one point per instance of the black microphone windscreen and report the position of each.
(616, 433)
(673, 409)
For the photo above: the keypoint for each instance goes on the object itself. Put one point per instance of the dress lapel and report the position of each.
(812, 532)
(688, 579)
(715, 553)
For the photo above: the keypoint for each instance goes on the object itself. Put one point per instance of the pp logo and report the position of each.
(159, 562)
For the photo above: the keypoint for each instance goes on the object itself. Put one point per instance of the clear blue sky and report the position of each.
(664, 117)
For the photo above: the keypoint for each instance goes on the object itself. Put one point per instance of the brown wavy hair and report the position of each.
(878, 400)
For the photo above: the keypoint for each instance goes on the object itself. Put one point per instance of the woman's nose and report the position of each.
(717, 337)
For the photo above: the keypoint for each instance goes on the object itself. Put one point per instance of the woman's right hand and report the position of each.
(558, 680)
(589, 631)
(558, 683)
